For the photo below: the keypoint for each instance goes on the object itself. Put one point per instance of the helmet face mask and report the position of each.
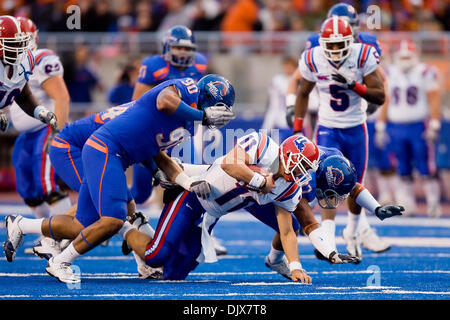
(329, 199)
(336, 38)
(14, 42)
(179, 47)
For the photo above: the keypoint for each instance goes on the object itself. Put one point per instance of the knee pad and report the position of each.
(55, 196)
(34, 202)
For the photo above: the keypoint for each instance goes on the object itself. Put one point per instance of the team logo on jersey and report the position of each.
(217, 88)
(334, 176)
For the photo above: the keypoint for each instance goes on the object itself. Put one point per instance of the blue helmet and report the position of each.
(347, 12)
(335, 178)
(215, 90)
(179, 36)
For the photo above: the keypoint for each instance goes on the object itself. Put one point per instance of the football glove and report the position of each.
(201, 188)
(217, 116)
(432, 132)
(46, 116)
(338, 258)
(371, 108)
(290, 110)
(388, 211)
(4, 122)
(381, 136)
(348, 84)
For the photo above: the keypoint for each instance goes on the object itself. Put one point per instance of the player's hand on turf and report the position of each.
(388, 211)
(4, 122)
(290, 111)
(49, 140)
(217, 116)
(300, 275)
(201, 188)
(338, 258)
(346, 83)
(48, 117)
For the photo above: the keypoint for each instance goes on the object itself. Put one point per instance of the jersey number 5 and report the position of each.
(341, 100)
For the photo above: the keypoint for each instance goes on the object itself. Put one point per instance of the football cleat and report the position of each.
(14, 237)
(353, 246)
(61, 271)
(147, 272)
(29, 250)
(371, 241)
(281, 267)
(47, 248)
(220, 249)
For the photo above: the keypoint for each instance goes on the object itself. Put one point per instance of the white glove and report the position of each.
(46, 116)
(217, 116)
(4, 122)
(201, 188)
(432, 132)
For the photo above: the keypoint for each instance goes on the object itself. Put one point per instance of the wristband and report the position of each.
(38, 110)
(290, 99)
(360, 89)
(296, 265)
(187, 112)
(256, 181)
(184, 180)
(298, 124)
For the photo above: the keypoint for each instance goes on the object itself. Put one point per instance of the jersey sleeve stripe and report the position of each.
(31, 60)
(201, 67)
(309, 60)
(291, 189)
(364, 55)
(161, 73)
(312, 59)
(262, 147)
(44, 54)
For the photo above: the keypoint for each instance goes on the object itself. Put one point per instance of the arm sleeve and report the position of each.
(305, 70)
(372, 62)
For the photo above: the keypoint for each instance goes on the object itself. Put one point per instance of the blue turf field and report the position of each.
(417, 267)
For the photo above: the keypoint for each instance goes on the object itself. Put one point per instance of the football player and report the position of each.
(368, 236)
(17, 63)
(270, 193)
(35, 176)
(415, 97)
(345, 73)
(334, 181)
(163, 117)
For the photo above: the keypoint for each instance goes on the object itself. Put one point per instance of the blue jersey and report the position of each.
(155, 69)
(79, 131)
(363, 37)
(309, 191)
(142, 131)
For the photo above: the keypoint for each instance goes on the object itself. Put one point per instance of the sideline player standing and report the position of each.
(35, 176)
(344, 72)
(414, 97)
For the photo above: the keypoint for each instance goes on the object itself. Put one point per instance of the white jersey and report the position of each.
(408, 92)
(339, 107)
(228, 195)
(47, 65)
(11, 86)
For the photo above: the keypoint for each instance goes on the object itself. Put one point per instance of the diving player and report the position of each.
(35, 175)
(16, 65)
(160, 119)
(271, 196)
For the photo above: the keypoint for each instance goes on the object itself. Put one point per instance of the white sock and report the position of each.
(60, 206)
(363, 224)
(352, 222)
(330, 228)
(275, 255)
(432, 192)
(68, 255)
(320, 239)
(138, 259)
(125, 228)
(31, 226)
(41, 211)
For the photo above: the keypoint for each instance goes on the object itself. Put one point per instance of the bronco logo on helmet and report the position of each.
(334, 176)
(217, 88)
